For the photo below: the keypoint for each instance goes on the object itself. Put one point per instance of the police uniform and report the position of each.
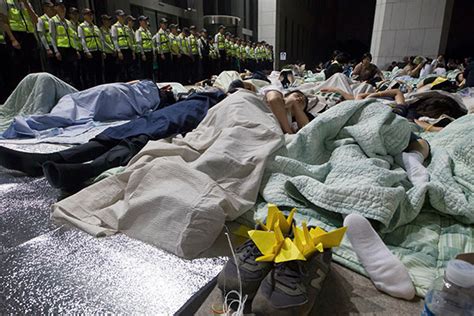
(145, 49)
(219, 44)
(205, 63)
(64, 43)
(213, 60)
(196, 58)
(162, 45)
(42, 27)
(26, 59)
(176, 58)
(92, 43)
(186, 61)
(4, 60)
(110, 54)
(122, 46)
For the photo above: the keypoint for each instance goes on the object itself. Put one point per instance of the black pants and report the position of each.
(146, 66)
(110, 68)
(4, 73)
(222, 61)
(164, 67)
(25, 60)
(92, 69)
(125, 66)
(175, 69)
(186, 64)
(67, 169)
(66, 68)
(195, 66)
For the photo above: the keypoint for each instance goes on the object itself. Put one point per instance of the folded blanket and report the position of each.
(178, 195)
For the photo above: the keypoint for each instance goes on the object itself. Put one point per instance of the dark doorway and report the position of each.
(460, 41)
(343, 25)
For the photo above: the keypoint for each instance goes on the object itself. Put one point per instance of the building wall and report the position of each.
(408, 28)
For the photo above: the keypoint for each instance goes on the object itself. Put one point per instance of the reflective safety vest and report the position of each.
(2, 39)
(147, 42)
(251, 53)
(92, 36)
(108, 43)
(131, 38)
(174, 44)
(122, 36)
(194, 45)
(227, 47)
(164, 42)
(243, 54)
(213, 54)
(220, 41)
(184, 45)
(47, 34)
(64, 33)
(19, 18)
(76, 43)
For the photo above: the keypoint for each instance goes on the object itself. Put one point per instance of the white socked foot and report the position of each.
(417, 173)
(386, 271)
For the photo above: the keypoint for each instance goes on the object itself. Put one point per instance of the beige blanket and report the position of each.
(178, 195)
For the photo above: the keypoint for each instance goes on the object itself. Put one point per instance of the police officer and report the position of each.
(213, 57)
(123, 47)
(130, 28)
(42, 27)
(145, 47)
(78, 74)
(163, 54)
(64, 44)
(92, 45)
(196, 54)
(204, 45)
(186, 59)
(175, 50)
(22, 45)
(109, 68)
(219, 44)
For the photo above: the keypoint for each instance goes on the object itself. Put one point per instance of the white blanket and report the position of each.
(178, 195)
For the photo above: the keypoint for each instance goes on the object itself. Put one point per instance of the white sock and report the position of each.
(385, 270)
(417, 173)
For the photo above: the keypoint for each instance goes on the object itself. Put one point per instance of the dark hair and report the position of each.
(341, 58)
(234, 85)
(435, 106)
(306, 100)
(367, 55)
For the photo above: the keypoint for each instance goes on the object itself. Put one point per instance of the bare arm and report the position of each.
(357, 69)
(276, 103)
(392, 93)
(345, 95)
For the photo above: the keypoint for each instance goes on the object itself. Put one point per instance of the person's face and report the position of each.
(130, 23)
(144, 24)
(89, 17)
(121, 19)
(74, 17)
(173, 31)
(106, 22)
(221, 31)
(163, 26)
(296, 98)
(366, 61)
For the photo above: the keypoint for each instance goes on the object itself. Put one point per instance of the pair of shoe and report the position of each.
(286, 288)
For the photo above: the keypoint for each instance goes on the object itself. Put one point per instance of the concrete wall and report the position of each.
(407, 28)
(267, 11)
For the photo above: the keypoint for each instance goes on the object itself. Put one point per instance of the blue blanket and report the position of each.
(108, 102)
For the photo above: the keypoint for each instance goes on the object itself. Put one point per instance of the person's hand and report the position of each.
(120, 55)
(143, 57)
(163, 56)
(89, 55)
(49, 52)
(16, 44)
(58, 56)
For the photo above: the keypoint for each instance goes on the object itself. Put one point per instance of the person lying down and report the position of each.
(72, 169)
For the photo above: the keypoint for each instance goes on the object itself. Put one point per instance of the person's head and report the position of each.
(88, 15)
(130, 21)
(299, 97)
(459, 78)
(440, 58)
(120, 14)
(227, 35)
(186, 31)
(341, 58)
(394, 63)
(60, 8)
(366, 59)
(163, 24)
(143, 21)
(106, 20)
(174, 29)
(335, 54)
(204, 33)
(74, 14)
(192, 29)
(48, 8)
(221, 29)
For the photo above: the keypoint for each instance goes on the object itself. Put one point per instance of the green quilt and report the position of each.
(348, 160)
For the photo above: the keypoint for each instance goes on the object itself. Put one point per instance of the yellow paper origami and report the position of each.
(275, 247)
